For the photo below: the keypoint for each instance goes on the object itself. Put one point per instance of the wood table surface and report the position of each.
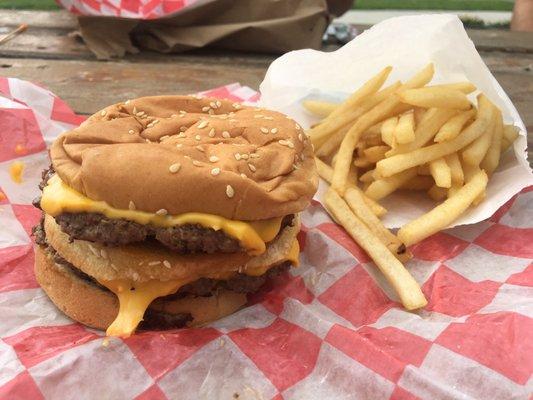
(49, 53)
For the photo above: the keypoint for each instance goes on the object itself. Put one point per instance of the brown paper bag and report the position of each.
(271, 26)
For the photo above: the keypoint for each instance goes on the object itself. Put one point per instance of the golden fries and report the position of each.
(444, 214)
(410, 293)
(436, 97)
(406, 136)
(319, 108)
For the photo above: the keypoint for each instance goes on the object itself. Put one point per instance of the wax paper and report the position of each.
(408, 44)
(329, 329)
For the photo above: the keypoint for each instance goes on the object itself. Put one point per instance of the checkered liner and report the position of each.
(332, 329)
(142, 9)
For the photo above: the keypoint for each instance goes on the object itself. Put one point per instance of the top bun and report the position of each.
(189, 154)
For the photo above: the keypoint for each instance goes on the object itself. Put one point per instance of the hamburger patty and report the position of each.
(185, 239)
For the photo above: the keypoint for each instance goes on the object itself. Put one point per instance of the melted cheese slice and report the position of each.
(58, 198)
(134, 298)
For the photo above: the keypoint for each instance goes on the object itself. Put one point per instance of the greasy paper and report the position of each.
(269, 26)
(408, 44)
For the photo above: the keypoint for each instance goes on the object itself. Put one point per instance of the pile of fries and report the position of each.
(407, 136)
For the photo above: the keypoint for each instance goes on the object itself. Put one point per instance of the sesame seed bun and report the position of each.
(92, 306)
(184, 154)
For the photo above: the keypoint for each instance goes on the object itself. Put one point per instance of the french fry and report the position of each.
(381, 188)
(456, 169)
(319, 108)
(436, 97)
(453, 189)
(387, 130)
(405, 129)
(326, 173)
(403, 283)
(344, 113)
(474, 153)
(492, 158)
(362, 162)
(367, 176)
(510, 133)
(433, 119)
(375, 153)
(419, 183)
(400, 162)
(465, 87)
(373, 116)
(453, 127)
(437, 193)
(444, 214)
(441, 173)
(335, 139)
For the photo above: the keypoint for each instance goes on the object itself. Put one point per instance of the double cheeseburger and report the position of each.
(168, 211)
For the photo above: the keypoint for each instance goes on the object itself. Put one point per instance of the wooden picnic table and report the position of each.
(49, 53)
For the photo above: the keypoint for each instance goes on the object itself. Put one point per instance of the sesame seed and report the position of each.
(213, 104)
(183, 112)
(211, 132)
(258, 116)
(173, 115)
(244, 156)
(244, 176)
(252, 167)
(165, 137)
(264, 130)
(181, 135)
(174, 168)
(131, 131)
(103, 113)
(94, 251)
(131, 205)
(274, 130)
(181, 115)
(196, 163)
(202, 124)
(179, 145)
(134, 110)
(183, 128)
(226, 134)
(282, 142)
(213, 158)
(297, 126)
(197, 137)
(140, 114)
(236, 105)
(135, 276)
(270, 118)
(237, 156)
(205, 109)
(161, 212)
(200, 148)
(219, 103)
(155, 121)
(300, 137)
(232, 120)
(253, 155)
(290, 144)
(230, 192)
(114, 267)
(294, 166)
(103, 253)
(152, 263)
(215, 171)
(150, 125)
(127, 102)
(166, 263)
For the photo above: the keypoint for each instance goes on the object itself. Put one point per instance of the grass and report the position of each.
(489, 5)
(494, 5)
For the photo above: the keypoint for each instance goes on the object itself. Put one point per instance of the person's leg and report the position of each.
(522, 16)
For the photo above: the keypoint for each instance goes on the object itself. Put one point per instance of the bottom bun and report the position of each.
(88, 303)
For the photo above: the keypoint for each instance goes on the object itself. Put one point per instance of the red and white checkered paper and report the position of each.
(330, 329)
(139, 9)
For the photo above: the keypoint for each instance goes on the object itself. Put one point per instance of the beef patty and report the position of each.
(185, 239)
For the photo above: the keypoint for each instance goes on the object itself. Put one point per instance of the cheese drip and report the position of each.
(58, 198)
(134, 298)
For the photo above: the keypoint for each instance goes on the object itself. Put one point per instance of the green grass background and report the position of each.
(500, 5)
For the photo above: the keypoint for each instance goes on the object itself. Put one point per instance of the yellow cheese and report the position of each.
(134, 298)
(58, 198)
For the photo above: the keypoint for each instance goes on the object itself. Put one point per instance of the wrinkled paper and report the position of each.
(408, 44)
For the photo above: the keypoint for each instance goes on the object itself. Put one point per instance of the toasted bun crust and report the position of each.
(139, 262)
(97, 308)
(123, 153)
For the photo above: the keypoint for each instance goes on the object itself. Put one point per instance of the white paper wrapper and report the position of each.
(408, 44)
